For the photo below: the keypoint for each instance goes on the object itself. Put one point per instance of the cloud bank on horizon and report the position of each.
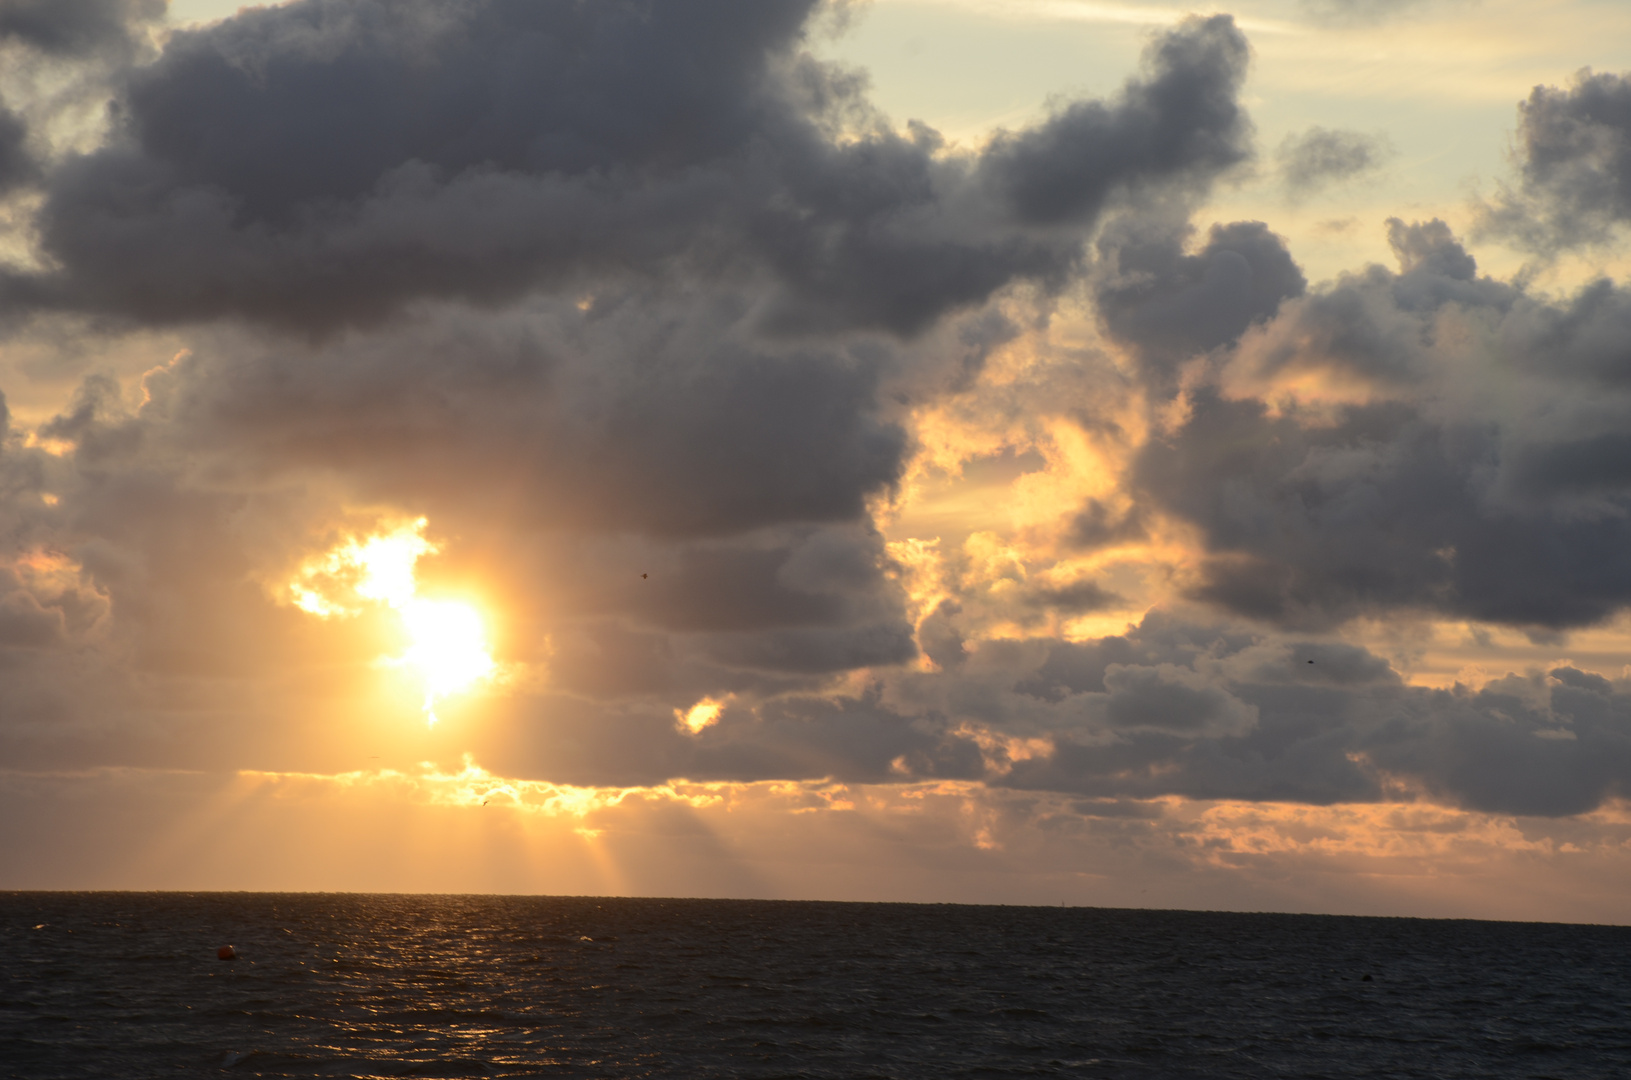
(684, 350)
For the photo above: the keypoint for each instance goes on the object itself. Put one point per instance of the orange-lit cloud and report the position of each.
(467, 829)
(701, 715)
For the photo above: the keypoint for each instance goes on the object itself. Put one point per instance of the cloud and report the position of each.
(670, 336)
(1574, 158)
(76, 28)
(1183, 120)
(629, 300)
(1407, 490)
(934, 842)
(1204, 712)
(559, 146)
(1360, 11)
(1320, 156)
(642, 412)
(1168, 306)
(17, 165)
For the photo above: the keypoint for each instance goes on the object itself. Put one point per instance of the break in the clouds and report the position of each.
(780, 439)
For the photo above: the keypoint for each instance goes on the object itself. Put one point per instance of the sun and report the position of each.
(447, 640)
(447, 647)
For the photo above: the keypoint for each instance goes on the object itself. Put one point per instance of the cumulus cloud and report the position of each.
(1574, 157)
(1167, 306)
(558, 145)
(1213, 711)
(1410, 491)
(1183, 120)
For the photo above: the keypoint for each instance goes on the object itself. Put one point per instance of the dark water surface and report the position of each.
(116, 985)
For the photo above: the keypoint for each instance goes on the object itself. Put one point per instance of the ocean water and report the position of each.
(127, 985)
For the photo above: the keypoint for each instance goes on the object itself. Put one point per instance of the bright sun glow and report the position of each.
(447, 643)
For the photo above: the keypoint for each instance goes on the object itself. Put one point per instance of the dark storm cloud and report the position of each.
(486, 149)
(1320, 156)
(73, 28)
(1574, 153)
(1168, 307)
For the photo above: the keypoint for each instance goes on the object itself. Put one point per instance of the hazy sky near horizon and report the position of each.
(1024, 451)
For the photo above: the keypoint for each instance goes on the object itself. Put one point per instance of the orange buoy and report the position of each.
(226, 952)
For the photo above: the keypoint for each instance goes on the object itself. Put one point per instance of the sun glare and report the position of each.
(447, 642)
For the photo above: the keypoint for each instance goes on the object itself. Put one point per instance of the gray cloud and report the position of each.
(1183, 120)
(74, 28)
(1321, 156)
(1169, 307)
(1172, 707)
(17, 165)
(644, 413)
(1574, 154)
(1360, 11)
(556, 145)
(1076, 598)
(1333, 730)
(1421, 498)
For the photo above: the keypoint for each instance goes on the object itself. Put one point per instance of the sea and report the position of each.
(129, 985)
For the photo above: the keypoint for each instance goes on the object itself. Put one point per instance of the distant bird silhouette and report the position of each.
(1311, 661)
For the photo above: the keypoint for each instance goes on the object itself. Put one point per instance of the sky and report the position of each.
(998, 451)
